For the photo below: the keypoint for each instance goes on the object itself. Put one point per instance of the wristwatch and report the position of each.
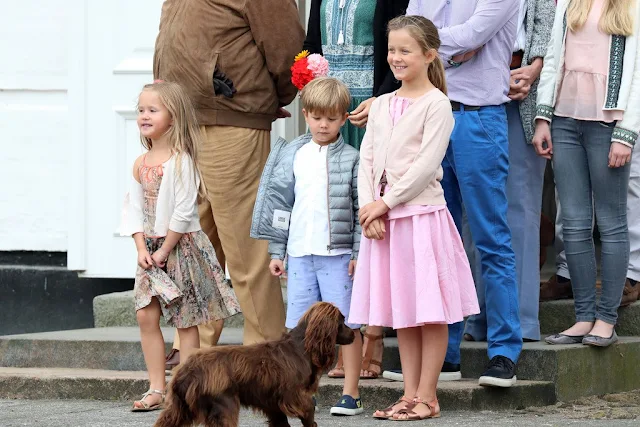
(454, 63)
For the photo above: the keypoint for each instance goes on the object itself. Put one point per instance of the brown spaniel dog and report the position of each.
(277, 378)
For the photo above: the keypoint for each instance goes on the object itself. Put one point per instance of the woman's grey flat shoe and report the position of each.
(600, 341)
(564, 339)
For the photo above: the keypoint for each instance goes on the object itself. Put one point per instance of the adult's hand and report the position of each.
(542, 139)
(464, 57)
(523, 78)
(619, 155)
(360, 115)
(282, 113)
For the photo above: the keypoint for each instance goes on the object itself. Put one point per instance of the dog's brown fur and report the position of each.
(277, 378)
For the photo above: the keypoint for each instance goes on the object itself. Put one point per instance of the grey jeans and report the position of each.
(633, 219)
(584, 182)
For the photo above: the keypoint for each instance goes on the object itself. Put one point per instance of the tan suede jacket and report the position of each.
(253, 42)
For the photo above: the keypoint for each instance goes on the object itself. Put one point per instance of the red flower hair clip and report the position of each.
(307, 67)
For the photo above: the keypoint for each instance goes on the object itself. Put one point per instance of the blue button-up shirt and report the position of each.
(465, 25)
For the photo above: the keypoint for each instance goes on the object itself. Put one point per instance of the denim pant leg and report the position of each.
(479, 148)
(610, 189)
(633, 215)
(524, 197)
(454, 204)
(476, 325)
(571, 171)
(580, 157)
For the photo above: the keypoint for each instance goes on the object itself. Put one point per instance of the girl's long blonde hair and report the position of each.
(426, 34)
(184, 135)
(616, 17)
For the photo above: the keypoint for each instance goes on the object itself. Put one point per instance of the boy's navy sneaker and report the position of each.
(347, 405)
(501, 372)
(450, 372)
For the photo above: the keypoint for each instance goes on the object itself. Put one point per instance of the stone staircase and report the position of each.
(106, 363)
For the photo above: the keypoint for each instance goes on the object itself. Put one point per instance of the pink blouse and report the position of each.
(583, 89)
(398, 106)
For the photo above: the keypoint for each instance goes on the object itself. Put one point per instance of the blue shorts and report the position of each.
(314, 278)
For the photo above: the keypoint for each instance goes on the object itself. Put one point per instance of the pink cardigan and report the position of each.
(410, 152)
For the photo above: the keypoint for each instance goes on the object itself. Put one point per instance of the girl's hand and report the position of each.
(160, 257)
(144, 259)
(352, 267)
(372, 211)
(360, 115)
(619, 155)
(542, 139)
(376, 230)
(276, 266)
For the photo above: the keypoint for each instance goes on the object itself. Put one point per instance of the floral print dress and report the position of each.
(192, 288)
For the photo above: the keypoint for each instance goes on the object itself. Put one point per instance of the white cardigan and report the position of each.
(623, 88)
(176, 207)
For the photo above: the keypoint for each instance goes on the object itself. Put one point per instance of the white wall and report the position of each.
(34, 125)
(41, 207)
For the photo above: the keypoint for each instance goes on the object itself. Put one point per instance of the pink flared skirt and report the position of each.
(419, 274)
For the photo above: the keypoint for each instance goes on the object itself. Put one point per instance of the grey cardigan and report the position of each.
(540, 15)
(276, 192)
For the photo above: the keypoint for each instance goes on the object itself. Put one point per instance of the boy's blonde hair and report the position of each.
(426, 34)
(325, 95)
(184, 135)
(616, 18)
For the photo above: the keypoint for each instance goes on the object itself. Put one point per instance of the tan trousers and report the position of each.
(231, 162)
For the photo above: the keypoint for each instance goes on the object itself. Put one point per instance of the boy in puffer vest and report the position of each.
(307, 208)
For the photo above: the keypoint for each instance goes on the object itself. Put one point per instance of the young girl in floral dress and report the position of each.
(178, 274)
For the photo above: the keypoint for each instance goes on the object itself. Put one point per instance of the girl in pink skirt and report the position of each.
(412, 274)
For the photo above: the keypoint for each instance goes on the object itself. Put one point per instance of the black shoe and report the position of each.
(450, 372)
(501, 372)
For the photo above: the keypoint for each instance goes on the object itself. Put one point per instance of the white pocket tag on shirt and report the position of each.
(281, 219)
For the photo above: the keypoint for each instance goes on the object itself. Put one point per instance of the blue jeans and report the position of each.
(584, 179)
(475, 173)
(524, 196)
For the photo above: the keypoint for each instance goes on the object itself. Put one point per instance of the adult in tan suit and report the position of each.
(233, 57)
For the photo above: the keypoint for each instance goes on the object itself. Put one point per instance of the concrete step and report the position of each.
(573, 370)
(115, 348)
(556, 316)
(61, 383)
(117, 309)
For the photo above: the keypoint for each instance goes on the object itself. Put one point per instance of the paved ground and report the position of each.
(619, 410)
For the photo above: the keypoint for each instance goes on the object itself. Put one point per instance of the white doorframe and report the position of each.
(78, 46)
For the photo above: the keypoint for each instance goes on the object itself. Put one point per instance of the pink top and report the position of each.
(409, 153)
(397, 106)
(583, 89)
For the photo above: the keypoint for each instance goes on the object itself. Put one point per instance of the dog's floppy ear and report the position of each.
(323, 322)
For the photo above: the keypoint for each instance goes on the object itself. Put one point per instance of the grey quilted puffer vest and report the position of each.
(276, 192)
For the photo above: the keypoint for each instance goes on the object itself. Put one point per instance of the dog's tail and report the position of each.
(177, 412)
